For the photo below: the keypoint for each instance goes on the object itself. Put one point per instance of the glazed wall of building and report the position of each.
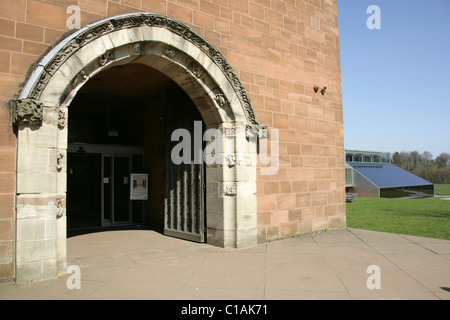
(278, 49)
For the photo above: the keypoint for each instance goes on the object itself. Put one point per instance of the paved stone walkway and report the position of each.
(143, 264)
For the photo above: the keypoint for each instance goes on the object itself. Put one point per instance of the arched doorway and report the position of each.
(108, 150)
(43, 109)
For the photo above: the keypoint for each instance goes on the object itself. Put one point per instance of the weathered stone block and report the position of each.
(30, 230)
(28, 271)
(246, 238)
(31, 159)
(246, 204)
(32, 182)
(49, 269)
(28, 251)
(36, 206)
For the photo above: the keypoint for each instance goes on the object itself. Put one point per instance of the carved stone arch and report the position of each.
(91, 49)
(43, 108)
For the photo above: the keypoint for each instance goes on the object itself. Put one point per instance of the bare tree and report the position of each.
(423, 165)
(443, 160)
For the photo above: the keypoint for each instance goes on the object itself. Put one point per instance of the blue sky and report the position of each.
(396, 80)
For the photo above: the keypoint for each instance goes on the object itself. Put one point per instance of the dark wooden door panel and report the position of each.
(184, 182)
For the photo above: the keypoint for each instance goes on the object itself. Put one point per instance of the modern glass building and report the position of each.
(367, 156)
(381, 178)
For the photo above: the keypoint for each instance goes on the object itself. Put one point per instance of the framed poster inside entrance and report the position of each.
(139, 186)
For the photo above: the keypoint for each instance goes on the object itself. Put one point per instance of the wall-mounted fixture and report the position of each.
(81, 149)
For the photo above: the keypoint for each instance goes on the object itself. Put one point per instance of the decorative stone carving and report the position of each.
(79, 78)
(232, 160)
(59, 161)
(136, 48)
(230, 189)
(105, 58)
(263, 132)
(196, 69)
(259, 131)
(230, 132)
(26, 111)
(220, 99)
(141, 20)
(44, 78)
(62, 56)
(62, 118)
(170, 53)
(240, 159)
(60, 207)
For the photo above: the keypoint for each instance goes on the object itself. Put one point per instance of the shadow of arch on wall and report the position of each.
(42, 109)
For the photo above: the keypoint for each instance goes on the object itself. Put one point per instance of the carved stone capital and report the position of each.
(26, 111)
(259, 131)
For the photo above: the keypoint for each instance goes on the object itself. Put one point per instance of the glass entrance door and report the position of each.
(83, 190)
(98, 186)
(116, 203)
(107, 192)
(122, 203)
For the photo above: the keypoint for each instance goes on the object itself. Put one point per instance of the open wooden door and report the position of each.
(184, 215)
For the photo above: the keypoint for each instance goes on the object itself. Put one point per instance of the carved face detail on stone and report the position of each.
(196, 69)
(26, 111)
(62, 118)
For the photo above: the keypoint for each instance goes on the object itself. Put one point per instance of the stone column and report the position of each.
(231, 191)
(41, 190)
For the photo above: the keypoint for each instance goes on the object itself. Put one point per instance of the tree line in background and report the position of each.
(423, 165)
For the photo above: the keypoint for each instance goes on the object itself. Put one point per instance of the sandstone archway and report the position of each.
(43, 107)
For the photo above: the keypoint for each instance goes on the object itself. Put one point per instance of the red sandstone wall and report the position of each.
(279, 49)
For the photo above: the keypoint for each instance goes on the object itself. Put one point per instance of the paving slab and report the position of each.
(332, 265)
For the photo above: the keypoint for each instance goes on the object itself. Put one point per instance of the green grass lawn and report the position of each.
(419, 217)
(442, 189)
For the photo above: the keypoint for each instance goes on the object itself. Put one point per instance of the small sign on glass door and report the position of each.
(139, 186)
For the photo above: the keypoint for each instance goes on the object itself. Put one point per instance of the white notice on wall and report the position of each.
(139, 186)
